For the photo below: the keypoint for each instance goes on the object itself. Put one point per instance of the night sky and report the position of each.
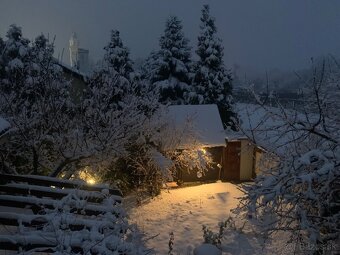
(257, 35)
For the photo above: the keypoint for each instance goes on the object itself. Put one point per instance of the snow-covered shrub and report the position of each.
(216, 238)
(171, 243)
(194, 159)
(136, 170)
(213, 241)
(301, 193)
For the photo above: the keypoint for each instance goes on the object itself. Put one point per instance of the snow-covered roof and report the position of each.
(4, 126)
(255, 121)
(264, 126)
(205, 121)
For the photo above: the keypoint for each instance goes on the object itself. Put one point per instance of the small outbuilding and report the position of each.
(247, 150)
(237, 156)
(205, 122)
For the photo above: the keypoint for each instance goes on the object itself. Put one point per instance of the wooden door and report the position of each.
(232, 161)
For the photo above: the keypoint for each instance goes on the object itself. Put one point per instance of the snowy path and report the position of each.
(183, 211)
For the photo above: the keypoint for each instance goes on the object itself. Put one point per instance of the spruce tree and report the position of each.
(168, 69)
(212, 82)
(117, 56)
(116, 72)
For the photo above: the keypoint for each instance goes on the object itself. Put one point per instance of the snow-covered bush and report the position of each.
(216, 238)
(301, 193)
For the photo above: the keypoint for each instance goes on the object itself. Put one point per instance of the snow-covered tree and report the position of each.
(301, 192)
(14, 58)
(212, 82)
(117, 55)
(116, 66)
(169, 68)
(34, 98)
(107, 122)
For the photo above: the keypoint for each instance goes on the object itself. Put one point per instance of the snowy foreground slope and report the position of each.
(183, 211)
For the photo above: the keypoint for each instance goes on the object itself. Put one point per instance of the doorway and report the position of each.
(232, 161)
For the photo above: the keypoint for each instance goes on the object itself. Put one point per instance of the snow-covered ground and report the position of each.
(183, 211)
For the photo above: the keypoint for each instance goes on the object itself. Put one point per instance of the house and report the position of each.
(77, 78)
(204, 128)
(237, 156)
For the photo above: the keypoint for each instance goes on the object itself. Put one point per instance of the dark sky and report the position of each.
(256, 34)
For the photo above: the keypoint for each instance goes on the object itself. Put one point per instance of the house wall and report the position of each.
(77, 86)
(246, 160)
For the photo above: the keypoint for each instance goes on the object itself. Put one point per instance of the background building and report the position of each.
(79, 58)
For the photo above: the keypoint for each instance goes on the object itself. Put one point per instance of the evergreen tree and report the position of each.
(212, 82)
(169, 68)
(14, 60)
(116, 72)
(117, 56)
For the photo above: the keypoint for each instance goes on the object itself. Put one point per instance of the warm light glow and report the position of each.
(91, 181)
(87, 176)
(204, 150)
